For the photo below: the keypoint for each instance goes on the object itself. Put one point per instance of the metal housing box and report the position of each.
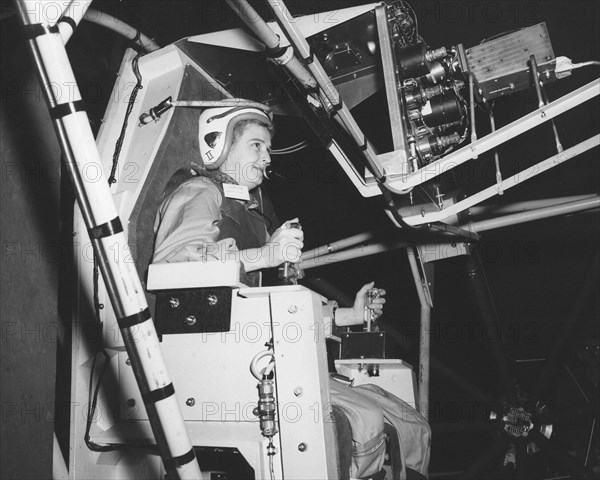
(501, 65)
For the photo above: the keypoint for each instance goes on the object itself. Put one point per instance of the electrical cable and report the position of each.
(586, 64)
(138, 86)
(291, 149)
(93, 399)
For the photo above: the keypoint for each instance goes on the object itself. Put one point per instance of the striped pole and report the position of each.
(106, 232)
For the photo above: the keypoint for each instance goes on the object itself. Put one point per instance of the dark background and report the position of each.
(535, 271)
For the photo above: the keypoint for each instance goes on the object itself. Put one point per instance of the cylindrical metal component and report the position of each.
(537, 214)
(442, 109)
(436, 54)
(412, 60)
(266, 408)
(433, 144)
(338, 245)
(350, 254)
(437, 72)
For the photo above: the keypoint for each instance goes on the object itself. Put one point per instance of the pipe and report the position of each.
(424, 334)
(338, 245)
(566, 328)
(538, 214)
(101, 218)
(496, 156)
(552, 450)
(350, 254)
(108, 21)
(526, 205)
(472, 107)
(283, 56)
(489, 318)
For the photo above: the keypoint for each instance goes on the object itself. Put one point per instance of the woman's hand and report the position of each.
(285, 245)
(346, 317)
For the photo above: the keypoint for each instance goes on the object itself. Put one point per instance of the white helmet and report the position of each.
(215, 131)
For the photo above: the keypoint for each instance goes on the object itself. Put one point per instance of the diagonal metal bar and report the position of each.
(106, 233)
(557, 455)
(566, 329)
(489, 319)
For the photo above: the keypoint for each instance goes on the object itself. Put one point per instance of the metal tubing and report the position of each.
(122, 28)
(489, 318)
(282, 56)
(542, 100)
(424, 335)
(489, 192)
(255, 23)
(350, 254)
(567, 327)
(538, 214)
(526, 205)
(100, 214)
(556, 453)
(78, 11)
(496, 156)
(338, 245)
(472, 107)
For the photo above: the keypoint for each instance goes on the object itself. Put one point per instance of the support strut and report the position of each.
(106, 233)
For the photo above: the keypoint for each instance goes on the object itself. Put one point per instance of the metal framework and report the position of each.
(46, 41)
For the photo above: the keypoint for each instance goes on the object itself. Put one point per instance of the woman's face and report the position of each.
(248, 156)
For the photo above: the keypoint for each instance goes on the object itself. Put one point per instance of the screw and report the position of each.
(292, 309)
(174, 302)
(303, 447)
(190, 320)
(212, 300)
(128, 361)
(131, 403)
(190, 402)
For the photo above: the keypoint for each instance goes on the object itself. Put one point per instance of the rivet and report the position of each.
(190, 402)
(190, 320)
(128, 361)
(212, 300)
(174, 302)
(303, 447)
(292, 309)
(298, 391)
(131, 403)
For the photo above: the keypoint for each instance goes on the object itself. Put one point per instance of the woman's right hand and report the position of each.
(285, 245)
